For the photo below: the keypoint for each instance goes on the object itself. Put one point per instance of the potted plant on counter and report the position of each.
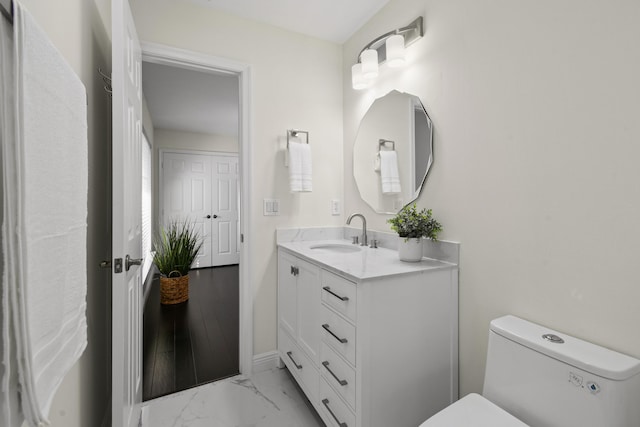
(412, 225)
(176, 246)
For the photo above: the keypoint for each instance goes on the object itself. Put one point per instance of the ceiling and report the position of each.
(333, 20)
(194, 101)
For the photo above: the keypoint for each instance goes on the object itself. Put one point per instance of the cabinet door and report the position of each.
(309, 303)
(287, 294)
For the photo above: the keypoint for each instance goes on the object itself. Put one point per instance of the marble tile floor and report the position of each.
(268, 399)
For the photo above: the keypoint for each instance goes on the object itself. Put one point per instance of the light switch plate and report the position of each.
(271, 207)
(335, 206)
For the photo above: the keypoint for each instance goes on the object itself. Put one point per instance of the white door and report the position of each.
(127, 213)
(186, 181)
(204, 189)
(225, 228)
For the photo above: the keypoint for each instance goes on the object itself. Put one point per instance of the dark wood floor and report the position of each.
(194, 342)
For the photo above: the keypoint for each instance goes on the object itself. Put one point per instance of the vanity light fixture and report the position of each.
(357, 78)
(369, 59)
(395, 51)
(388, 48)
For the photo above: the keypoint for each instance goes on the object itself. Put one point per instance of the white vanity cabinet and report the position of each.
(382, 351)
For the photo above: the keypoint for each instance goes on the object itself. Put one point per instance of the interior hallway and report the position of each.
(194, 342)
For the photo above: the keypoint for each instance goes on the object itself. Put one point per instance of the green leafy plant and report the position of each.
(176, 247)
(409, 223)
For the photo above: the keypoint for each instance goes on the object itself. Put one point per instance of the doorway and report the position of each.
(213, 301)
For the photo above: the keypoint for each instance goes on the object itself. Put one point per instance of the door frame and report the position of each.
(165, 55)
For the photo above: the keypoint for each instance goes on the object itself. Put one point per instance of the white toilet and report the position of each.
(539, 377)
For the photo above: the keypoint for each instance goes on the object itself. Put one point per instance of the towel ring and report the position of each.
(293, 133)
(382, 142)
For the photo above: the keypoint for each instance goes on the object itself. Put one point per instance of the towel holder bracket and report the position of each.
(293, 133)
(383, 142)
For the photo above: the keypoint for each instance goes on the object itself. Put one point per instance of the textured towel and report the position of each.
(10, 413)
(389, 176)
(45, 217)
(300, 167)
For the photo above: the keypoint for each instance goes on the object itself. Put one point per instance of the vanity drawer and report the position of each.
(339, 334)
(339, 374)
(299, 364)
(335, 411)
(340, 294)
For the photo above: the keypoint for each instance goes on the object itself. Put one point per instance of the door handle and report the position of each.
(128, 262)
(215, 216)
(209, 216)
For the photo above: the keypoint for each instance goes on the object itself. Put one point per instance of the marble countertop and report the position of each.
(365, 264)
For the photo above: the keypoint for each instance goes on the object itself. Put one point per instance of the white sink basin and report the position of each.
(337, 248)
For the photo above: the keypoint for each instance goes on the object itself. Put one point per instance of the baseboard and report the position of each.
(265, 361)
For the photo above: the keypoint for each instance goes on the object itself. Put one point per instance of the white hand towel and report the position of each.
(389, 176)
(45, 256)
(300, 171)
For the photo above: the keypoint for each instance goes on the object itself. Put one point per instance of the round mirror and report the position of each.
(393, 152)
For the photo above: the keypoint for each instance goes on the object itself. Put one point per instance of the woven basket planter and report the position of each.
(174, 290)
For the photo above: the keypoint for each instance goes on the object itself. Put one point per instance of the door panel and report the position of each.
(287, 294)
(309, 303)
(187, 196)
(127, 218)
(225, 206)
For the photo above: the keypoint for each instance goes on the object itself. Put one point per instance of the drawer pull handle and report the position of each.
(342, 340)
(325, 402)
(341, 382)
(341, 298)
(294, 362)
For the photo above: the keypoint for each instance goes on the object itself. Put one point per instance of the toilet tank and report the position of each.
(548, 383)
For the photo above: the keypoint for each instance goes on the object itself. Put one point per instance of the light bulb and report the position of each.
(395, 51)
(358, 81)
(369, 60)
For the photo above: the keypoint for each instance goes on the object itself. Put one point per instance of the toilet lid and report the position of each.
(473, 410)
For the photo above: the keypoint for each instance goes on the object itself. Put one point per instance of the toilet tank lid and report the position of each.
(581, 354)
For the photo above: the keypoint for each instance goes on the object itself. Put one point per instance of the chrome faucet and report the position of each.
(363, 239)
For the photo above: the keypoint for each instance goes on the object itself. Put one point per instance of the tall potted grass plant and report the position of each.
(176, 246)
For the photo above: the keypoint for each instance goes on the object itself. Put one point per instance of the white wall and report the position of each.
(167, 138)
(79, 33)
(296, 83)
(535, 108)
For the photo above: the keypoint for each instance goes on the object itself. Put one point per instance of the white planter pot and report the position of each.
(410, 250)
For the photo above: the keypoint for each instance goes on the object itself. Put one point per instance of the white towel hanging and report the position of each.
(300, 170)
(45, 260)
(389, 176)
